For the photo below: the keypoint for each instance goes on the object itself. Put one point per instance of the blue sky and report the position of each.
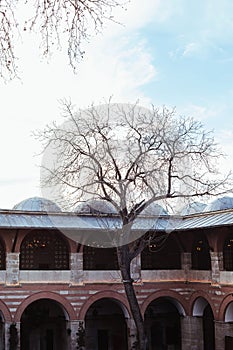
(171, 52)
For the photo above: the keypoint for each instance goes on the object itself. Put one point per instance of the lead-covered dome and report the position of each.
(193, 208)
(154, 209)
(37, 204)
(95, 206)
(220, 204)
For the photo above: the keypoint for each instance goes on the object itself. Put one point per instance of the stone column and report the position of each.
(76, 335)
(216, 266)
(186, 263)
(222, 330)
(12, 269)
(192, 333)
(76, 268)
(12, 335)
(7, 335)
(17, 324)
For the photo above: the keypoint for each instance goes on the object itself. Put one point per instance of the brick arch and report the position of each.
(223, 306)
(46, 295)
(5, 312)
(201, 294)
(164, 294)
(105, 294)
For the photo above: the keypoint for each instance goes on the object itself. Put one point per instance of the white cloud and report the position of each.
(200, 112)
(224, 137)
(201, 28)
(191, 49)
(120, 71)
(136, 15)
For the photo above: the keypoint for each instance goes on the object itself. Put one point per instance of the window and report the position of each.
(99, 258)
(228, 254)
(165, 256)
(2, 256)
(201, 254)
(44, 251)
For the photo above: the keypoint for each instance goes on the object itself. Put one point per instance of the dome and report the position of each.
(220, 204)
(154, 209)
(37, 204)
(95, 206)
(193, 208)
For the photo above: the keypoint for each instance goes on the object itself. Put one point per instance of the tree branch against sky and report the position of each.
(63, 23)
(130, 157)
(123, 153)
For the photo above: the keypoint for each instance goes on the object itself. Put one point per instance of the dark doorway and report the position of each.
(106, 327)
(208, 328)
(103, 336)
(2, 333)
(43, 326)
(162, 324)
(49, 339)
(228, 343)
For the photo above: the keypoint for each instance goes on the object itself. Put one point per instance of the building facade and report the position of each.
(62, 295)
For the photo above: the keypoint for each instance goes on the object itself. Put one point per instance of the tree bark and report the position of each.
(124, 265)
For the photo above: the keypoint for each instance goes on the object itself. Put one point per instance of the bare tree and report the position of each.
(56, 21)
(130, 157)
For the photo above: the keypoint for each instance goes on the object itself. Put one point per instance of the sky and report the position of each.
(176, 53)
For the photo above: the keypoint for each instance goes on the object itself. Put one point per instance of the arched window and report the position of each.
(165, 256)
(99, 258)
(228, 254)
(201, 254)
(44, 251)
(2, 256)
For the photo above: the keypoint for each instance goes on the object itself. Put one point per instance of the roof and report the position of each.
(206, 220)
(66, 220)
(97, 214)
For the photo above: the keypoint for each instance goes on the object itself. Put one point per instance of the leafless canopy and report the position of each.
(130, 156)
(57, 21)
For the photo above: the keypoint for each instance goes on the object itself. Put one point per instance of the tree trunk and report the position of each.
(124, 265)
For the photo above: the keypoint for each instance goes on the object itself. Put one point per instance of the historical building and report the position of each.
(56, 294)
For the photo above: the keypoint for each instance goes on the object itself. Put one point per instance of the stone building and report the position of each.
(55, 293)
